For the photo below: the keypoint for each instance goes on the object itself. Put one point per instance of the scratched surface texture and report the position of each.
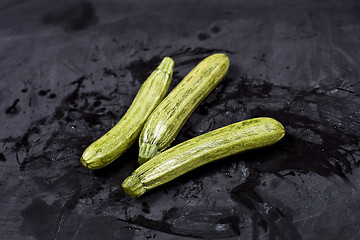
(70, 69)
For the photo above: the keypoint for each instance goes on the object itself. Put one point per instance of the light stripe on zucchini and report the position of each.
(116, 141)
(182, 158)
(167, 119)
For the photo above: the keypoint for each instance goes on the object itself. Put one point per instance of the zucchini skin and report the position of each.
(168, 118)
(184, 157)
(118, 139)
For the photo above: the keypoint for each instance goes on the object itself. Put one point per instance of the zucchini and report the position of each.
(116, 141)
(184, 157)
(167, 119)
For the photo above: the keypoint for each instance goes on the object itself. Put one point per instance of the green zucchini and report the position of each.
(167, 119)
(184, 157)
(116, 141)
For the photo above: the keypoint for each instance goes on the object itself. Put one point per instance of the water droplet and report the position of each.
(221, 227)
(12, 109)
(53, 95)
(43, 92)
(2, 157)
(203, 36)
(215, 28)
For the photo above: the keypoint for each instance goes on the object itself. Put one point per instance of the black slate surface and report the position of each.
(70, 69)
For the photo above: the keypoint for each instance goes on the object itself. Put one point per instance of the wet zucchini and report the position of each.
(167, 119)
(116, 141)
(182, 158)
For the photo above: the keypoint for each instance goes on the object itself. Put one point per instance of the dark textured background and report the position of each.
(70, 69)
